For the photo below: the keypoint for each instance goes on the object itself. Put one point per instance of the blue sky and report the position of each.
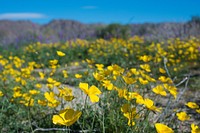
(104, 11)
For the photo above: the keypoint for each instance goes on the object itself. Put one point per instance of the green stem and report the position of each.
(85, 103)
(103, 124)
(93, 123)
(29, 119)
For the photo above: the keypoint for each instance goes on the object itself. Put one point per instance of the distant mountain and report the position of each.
(62, 30)
(163, 31)
(21, 32)
(17, 31)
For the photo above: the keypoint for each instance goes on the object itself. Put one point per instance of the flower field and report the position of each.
(101, 86)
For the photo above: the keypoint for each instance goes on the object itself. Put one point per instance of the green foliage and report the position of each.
(195, 19)
(114, 31)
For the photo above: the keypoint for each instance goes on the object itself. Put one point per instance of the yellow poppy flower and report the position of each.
(92, 92)
(98, 76)
(192, 105)
(66, 117)
(150, 105)
(78, 76)
(60, 53)
(108, 84)
(161, 70)
(134, 71)
(164, 79)
(17, 94)
(146, 67)
(34, 92)
(129, 80)
(1, 93)
(195, 128)
(172, 90)
(50, 96)
(159, 90)
(53, 62)
(51, 81)
(52, 102)
(29, 102)
(66, 93)
(161, 128)
(134, 95)
(198, 111)
(121, 92)
(65, 73)
(143, 81)
(89, 61)
(182, 116)
(42, 102)
(99, 66)
(145, 58)
(42, 75)
(129, 113)
(38, 86)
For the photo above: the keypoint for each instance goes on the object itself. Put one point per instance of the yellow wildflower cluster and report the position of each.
(128, 73)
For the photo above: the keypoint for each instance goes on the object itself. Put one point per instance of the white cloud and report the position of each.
(22, 16)
(88, 7)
